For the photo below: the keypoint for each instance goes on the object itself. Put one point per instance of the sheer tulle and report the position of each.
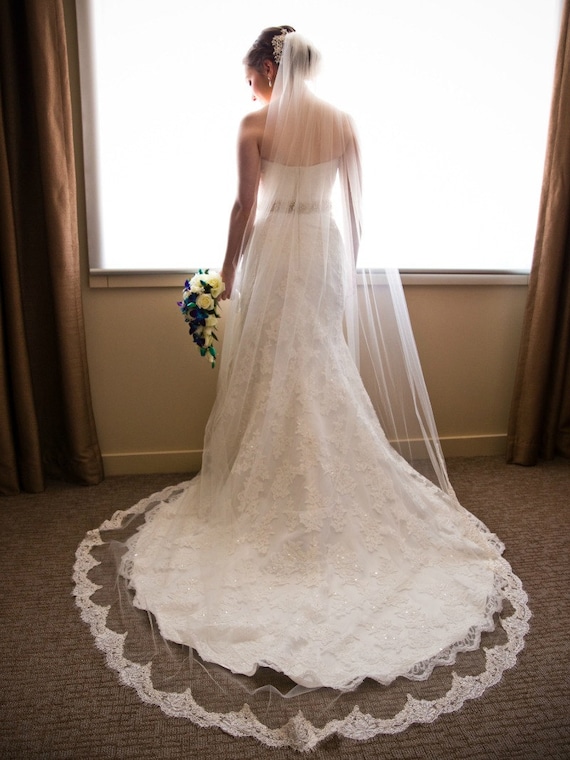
(308, 553)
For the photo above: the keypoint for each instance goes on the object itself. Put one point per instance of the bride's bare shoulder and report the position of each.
(254, 122)
(334, 113)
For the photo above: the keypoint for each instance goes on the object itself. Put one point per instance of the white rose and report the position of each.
(196, 284)
(215, 282)
(205, 301)
(211, 321)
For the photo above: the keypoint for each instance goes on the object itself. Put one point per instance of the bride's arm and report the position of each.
(241, 217)
(351, 170)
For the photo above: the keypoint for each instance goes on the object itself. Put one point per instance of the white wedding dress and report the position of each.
(326, 555)
(307, 545)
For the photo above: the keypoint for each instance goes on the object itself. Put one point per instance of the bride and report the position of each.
(321, 540)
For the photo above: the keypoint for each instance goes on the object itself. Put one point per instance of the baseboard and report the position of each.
(475, 445)
(149, 462)
(152, 462)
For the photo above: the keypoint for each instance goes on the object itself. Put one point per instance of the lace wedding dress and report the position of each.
(308, 553)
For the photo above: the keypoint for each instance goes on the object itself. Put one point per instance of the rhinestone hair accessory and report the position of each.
(277, 43)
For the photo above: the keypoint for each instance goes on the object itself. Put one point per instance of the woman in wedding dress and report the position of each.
(308, 545)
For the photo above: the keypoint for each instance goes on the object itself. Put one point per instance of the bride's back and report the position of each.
(304, 130)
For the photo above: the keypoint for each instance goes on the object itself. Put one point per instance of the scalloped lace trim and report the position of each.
(299, 732)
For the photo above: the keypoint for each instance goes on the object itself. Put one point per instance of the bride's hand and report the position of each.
(227, 276)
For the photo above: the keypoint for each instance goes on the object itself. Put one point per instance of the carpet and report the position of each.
(59, 700)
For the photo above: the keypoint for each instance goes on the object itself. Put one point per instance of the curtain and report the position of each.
(46, 420)
(539, 425)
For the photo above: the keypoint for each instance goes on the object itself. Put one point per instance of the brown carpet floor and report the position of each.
(58, 699)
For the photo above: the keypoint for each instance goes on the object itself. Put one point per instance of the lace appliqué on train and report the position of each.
(182, 685)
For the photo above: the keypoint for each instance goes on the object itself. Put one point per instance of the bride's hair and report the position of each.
(263, 49)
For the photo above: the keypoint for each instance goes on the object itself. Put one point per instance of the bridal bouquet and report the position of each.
(199, 307)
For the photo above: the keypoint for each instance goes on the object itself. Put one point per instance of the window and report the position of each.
(451, 100)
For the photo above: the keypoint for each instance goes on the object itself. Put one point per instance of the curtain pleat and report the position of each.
(539, 425)
(19, 438)
(48, 428)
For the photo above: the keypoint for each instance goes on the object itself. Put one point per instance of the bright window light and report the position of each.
(451, 100)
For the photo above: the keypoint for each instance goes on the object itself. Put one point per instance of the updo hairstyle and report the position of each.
(262, 48)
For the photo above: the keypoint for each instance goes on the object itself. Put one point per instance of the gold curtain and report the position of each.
(539, 425)
(46, 420)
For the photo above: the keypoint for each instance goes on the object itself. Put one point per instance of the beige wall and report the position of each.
(152, 392)
(468, 339)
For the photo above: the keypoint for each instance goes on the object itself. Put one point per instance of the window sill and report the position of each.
(153, 279)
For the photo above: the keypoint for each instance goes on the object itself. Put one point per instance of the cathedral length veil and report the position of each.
(302, 131)
(266, 430)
